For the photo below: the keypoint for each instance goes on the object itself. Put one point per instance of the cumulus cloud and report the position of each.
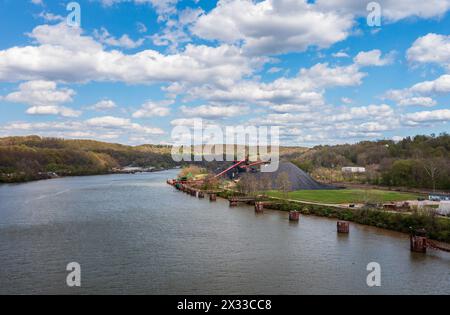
(37, 2)
(440, 85)
(104, 37)
(44, 98)
(50, 17)
(280, 26)
(104, 128)
(419, 94)
(392, 10)
(89, 61)
(53, 110)
(214, 111)
(123, 124)
(305, 88)
(40, 93)
(425, 117)
(272, 27)
(176, 30)
(103, 105)
(431, 48)
(372, 58)
(164, 8)
(153, 109)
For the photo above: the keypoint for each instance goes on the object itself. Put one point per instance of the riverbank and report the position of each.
(438, 228)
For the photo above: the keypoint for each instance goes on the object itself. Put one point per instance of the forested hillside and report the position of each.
(418, 162)
(29, 158)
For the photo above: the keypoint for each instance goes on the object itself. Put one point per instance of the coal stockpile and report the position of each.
(299, 179)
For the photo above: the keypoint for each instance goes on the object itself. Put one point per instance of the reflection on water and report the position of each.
(135, 234)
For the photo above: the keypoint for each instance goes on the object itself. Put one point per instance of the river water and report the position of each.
(135, 234)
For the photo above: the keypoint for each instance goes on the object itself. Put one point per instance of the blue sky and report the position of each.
(135, 69)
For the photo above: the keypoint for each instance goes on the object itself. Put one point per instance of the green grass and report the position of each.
(346, 196)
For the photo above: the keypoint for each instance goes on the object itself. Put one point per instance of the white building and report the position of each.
(439, 197)
(353, 169)
(444, 208)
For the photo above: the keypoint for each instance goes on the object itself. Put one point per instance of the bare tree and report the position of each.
(284, 184)
(265, 182)
(432, 169)
(248, 185)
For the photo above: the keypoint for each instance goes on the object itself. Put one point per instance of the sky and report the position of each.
(324, 71)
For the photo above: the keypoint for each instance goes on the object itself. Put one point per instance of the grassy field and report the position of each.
(346, 196)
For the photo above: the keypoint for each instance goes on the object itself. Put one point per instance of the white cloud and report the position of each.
(153, 109)
(346, 100)
(108, 122)
(271, 27)
(50, 17)
(290, 108)
(164, 8)
(53, 110)
(274, 70)
(417, 101)
(280, 26)
(40, 93)
(44, 98)
(440, 115)
(141, 27)
(341, 54)
(372, 58)
(440, 85)
(124, 41)
(392, 10)
(103, 128)
(306, 88)
(175, 32)
(214, 111)
(221, 65)
(37, 2)
(103, 105)
(418, 94)
(111, 122)
(431, 48)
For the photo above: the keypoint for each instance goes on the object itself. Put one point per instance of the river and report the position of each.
(135, 234)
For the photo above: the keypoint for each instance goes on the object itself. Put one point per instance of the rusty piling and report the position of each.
(233, 202)
(294, 216)
(259, 207)
(343, 227)
(419, 244)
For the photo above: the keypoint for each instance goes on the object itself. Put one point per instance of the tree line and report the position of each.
(415, 162)
(33, 157)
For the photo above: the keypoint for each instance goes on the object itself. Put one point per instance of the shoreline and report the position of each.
(438, 228)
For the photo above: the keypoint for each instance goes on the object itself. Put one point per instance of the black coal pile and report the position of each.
(300, 180)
